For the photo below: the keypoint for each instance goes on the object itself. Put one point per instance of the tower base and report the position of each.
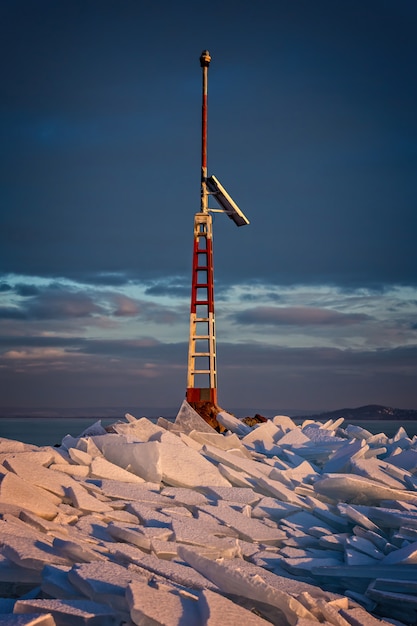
(208, 411)
(201, 394)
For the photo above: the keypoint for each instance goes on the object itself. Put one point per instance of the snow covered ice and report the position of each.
(173, 523)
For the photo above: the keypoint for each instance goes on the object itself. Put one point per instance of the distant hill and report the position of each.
(367, 412)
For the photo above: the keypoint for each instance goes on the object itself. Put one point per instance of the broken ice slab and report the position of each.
(140, 430)
(15, 490)
(164, 549)
(31, 471)
(336, 541)
(389, 591)
(71, 612)
(263, 437)
(158, 605)
(9, 446)
(86, 502)
(104, 583)
(304, 566)
(148, 516)
(361, 544)
(303, 520)
(317, 433)
(409, 534)
(130, 534)
(248, 528)
(356, 516)
(177, 573)
(388, 518)
(30, 553)
(293, 437)
(297, 475)
(182, 466)
(142, 458)
(203, 532)
(102, 468)
(357, 489)
(93, 430)
(239, 583)
(76, 552)
(144, 492)
(236, 478)
(406, 555)
(187, 420)
(247, 466)
(356, 557)
(400, 434)
(10, 572)
(76, 471)
(273, 509)
(273, 488)
(357, 432)
(377, 470)
(407, 459)
(340, 461)
(284, 422)
(225, 442)
(215, 609)
(55, 583)
(232, 423)
(184, 496)
(375, 538)
(232, 494)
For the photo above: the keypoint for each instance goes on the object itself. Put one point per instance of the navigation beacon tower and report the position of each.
(202, 373)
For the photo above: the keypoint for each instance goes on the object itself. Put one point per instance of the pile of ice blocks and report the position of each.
(173, 523)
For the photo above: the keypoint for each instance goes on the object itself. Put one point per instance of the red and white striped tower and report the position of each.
(201, 377)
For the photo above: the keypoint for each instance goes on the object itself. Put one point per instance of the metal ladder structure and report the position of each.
(202, 375)
(202, 372)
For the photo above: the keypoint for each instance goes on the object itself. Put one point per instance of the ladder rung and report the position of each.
(201, 337)
(195, 354)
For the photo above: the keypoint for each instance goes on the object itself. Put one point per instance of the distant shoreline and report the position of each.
(369, 412)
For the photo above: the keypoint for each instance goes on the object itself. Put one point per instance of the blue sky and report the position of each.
(312, 130)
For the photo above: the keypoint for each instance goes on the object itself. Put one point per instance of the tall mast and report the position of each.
(204, 63)
(201, 374)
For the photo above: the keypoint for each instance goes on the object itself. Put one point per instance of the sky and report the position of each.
(312, 129)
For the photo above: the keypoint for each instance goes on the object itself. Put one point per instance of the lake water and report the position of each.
(43, 431)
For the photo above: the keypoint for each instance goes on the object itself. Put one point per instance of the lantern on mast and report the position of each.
(202, 369)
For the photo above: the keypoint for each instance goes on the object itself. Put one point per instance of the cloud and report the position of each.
(60, 304)
(109, 373)
(298, 316)
(65, 302)
(11, 313)
(175, 286)
(125, 307)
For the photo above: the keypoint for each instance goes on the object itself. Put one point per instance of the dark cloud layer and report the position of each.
(120, 372)
(298, 316)
(312, 128)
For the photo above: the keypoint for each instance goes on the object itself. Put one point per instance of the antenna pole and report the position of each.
(204, 63)
(201, 374)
